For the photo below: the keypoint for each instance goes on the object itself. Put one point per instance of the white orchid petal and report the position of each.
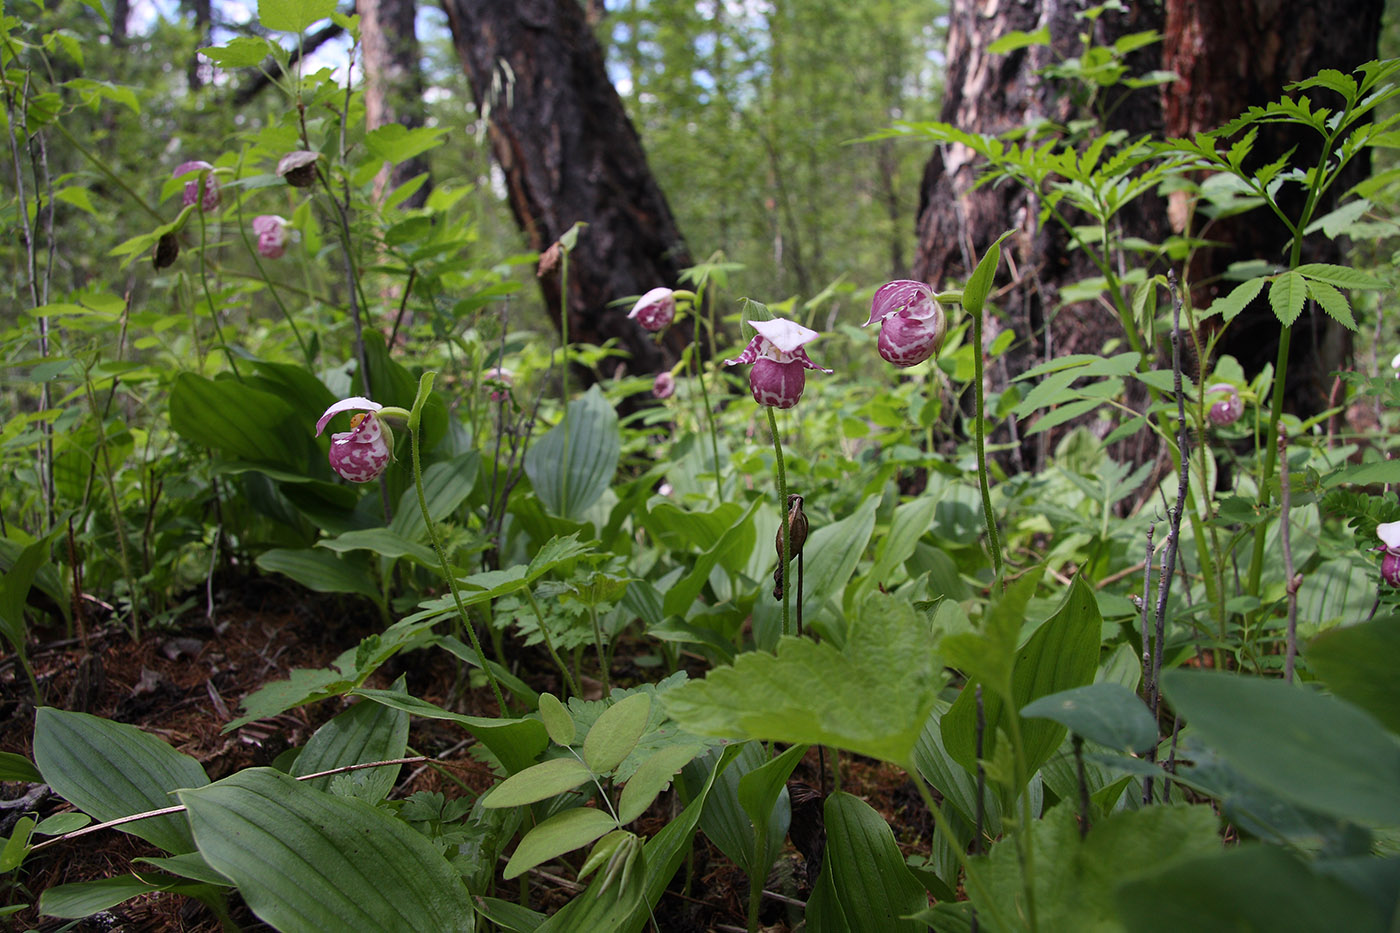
(357, 403)
(1389, 533)
(787, 336)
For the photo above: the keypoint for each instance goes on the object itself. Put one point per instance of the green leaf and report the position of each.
(445, 486)
(321, 571)
(85, 898)
(1063, 653)
(363, 733)
(725, 821)
(616, 732)
(570, 474)
(1333, 302)
(241, 52)
(1107, 713)
(557, 720)
(1252, 887)
(1286, 297)
(911, 521)
(1232, 304)
(871, 697)
(1341, 276)
(241, 422)
(759, 792)
(875, 888)
(979, 284)
(305, 860)
(14, 593)
(538, 782)
(62, 823)
(111, 770)
(515, 742)
(1017, 39)
(394, 142)
(1317, 750)
(682, 594)
(651, 778)
(16, 847)
(379, 541)
(832, 552)
(563, 832)
(1358, 664)
(293, 15)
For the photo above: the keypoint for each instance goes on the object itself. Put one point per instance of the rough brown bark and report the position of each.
(393, 83)
(1235, 55)
(559, 132)
(1231, 56)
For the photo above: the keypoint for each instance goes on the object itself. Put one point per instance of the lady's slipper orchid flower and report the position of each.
(203, 182)
(655, 309)
(1389, 533)
(498, 380)
(271, 232)
(298, 168)
(777, 377)
(912, 323)
(664, 386)
(1226, 410)
(362, 453)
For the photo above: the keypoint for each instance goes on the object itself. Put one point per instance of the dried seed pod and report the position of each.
(797, 521)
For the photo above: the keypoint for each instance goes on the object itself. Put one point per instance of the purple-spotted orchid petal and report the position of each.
(363, 453)
(655, 310)
(912, 322)
(203, 181)
(779, 360)
(1226, 410)
(271, 232)
(1389, 533)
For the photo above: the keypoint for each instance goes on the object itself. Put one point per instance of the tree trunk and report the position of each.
(1230, 56)
(1235, 55)
(559, 132)
(393, 84)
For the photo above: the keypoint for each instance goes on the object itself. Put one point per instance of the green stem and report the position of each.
(1025, 844)
(598, 644)
(782, 511)
(204, 284)
(549, 643)
(447, 573)
(993, 540)
(564, 370)
(699, 370)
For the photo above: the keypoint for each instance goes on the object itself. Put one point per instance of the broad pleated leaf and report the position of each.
(515, 742)
(307, 861)
(363, 733)
(111, 770)
(1359, 664)
(570, 475)
(1109, 714)
(321, 570)
(873, 885)
(1317, 750)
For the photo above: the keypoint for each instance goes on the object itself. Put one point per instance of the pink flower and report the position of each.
(1389, 533)
(362, 453)
(499, 380)
(912, 322)
(664, 386)
(655, 309)
(271, 232)
(204, 182)
(1227, 410)
(777, 377)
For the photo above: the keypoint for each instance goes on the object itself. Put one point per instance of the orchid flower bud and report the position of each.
(655, 310)
(362, 453)
(912, 323)
(271, 232)
(664, 386)
(298, 169)
(1226, 410)
(778, 376)
(204, 182)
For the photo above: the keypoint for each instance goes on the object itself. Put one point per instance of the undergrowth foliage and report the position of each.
(1143, 696)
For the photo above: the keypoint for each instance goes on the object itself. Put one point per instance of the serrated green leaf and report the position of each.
(871, 697)
(306, 861)
(1333, 302)
(538, 782)
(1229, 306)
(616, 732)
(1341, 276)
(563, 832)
(1286, 297)
(241, 52)
(293, 15)
(394, 142)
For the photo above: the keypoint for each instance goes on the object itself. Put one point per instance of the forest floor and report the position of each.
(185, 682)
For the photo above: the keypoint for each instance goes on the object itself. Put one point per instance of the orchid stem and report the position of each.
(782, 511)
